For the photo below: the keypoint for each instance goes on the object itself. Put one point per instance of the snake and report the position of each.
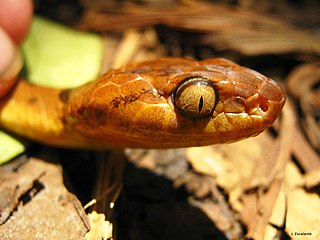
(169, 102)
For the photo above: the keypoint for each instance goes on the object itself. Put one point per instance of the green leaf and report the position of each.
(60, 57)
(9, 147)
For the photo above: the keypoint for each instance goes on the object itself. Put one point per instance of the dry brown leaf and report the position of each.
(226, 27)
(258, 208)
(238, 167)
(14, 184)
(278, 216)
(252, 173)
(46, 210)
(302, 83)
(303, 208)
(311, 180)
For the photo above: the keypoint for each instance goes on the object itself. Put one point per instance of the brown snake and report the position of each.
(166, 103)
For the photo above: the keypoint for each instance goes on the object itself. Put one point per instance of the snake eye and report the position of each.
(195, 98)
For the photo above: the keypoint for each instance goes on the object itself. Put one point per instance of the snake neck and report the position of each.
(37, 113)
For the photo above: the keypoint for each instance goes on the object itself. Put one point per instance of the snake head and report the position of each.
(174, 102)
(220, 87)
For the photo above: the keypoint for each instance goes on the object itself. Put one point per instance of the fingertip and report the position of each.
(15, 18)
(10, 63)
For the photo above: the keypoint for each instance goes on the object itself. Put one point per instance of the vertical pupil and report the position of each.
(200, 104)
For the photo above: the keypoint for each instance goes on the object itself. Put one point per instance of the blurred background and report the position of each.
(266, 187)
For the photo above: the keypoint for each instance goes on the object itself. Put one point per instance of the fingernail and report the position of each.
(10, 63)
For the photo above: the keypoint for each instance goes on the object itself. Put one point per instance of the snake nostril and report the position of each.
(264, 106)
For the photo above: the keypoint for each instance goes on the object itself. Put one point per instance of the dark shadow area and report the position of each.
(79, 172)
(150, 208)
(37, 187)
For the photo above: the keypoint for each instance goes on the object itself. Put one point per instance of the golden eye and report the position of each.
(195, 98)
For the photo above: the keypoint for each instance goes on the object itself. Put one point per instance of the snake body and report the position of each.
(165, 103)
